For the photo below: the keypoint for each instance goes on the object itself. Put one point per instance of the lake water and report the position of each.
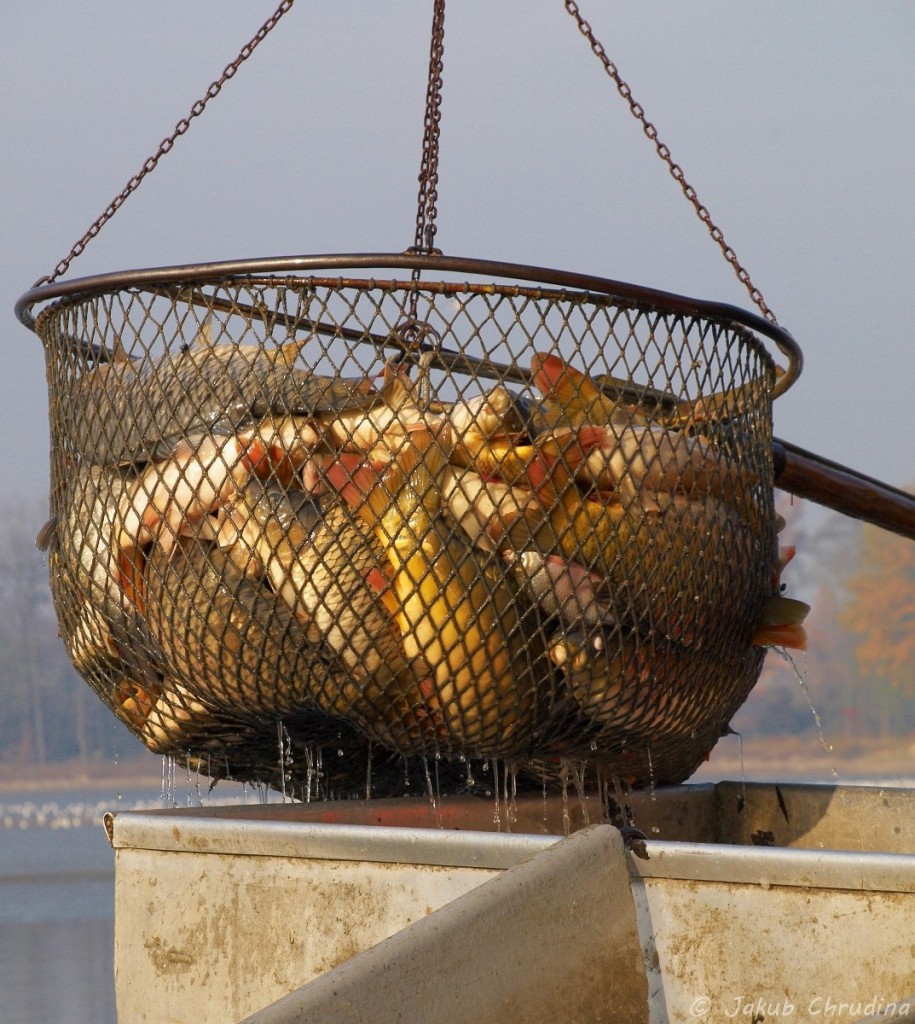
(57, 899)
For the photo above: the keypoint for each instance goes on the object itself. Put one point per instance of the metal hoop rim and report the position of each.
(431, 263)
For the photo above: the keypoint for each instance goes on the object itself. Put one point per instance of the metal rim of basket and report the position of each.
(617, 291)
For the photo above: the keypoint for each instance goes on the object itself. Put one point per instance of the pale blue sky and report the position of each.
(794, 120)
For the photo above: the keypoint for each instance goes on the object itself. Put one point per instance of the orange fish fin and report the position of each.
(379, 581)
(130, 572)
(790, 634)
(781, 624)
(556, 379)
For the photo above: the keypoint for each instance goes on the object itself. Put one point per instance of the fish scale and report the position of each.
(320, 561)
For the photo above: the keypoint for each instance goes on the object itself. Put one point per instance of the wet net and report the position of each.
(311, 530)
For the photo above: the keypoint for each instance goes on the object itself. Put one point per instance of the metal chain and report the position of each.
(664, 153)
(167, 144)
(428, 171)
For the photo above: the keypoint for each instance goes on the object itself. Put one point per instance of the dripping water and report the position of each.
(578, 779)
(602, 794)
(802, 682)
(546, 816)
(432, 791)
(309, 771)
(497, 816)
(743, 774)
(320, 779)
(168, 781)
(564, 772)
(651, 779)
(284, 741)
(198, 776)
(188, 784)
(510, 793)
(368, 773)
(623, 802)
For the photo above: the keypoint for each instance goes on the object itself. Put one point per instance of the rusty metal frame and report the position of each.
(623, 293)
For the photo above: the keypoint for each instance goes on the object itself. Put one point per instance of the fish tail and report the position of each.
(397, 389)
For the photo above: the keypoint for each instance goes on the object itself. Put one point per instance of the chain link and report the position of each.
(664, 153)
(428, 171)
(168, 143)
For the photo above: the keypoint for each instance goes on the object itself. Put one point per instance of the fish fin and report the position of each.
(781, 624)
(47, 535)
(556, 379)
(790, 634)
(379, 581)
(526, 528)
(130, 575)
(204, 338)
(785, 555)
(398, 389)
(287, 353)
(119, 353)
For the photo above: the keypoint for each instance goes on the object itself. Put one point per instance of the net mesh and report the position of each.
(305, 525)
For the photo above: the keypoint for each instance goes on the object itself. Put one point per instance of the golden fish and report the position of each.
(165, 715)
(652, 708)
(484, 508)
(680, 567)
(206, 387)
(456, 611)
(383, 421)
(329, 571)
(644, 461)
(572, 399)
(628, 452)
(229, 641)
(174, 498)
(474, 421)
(575, 398)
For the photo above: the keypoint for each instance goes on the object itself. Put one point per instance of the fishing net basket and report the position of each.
(313, 515)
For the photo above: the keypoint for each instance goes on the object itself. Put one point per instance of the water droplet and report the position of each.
(802, 682)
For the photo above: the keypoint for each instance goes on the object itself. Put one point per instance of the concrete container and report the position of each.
(746, 902)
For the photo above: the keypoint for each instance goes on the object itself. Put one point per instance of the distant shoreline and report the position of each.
(792, 757)
(772, 758)
(66, 775)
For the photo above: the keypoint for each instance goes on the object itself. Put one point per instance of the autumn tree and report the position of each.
(879, 616)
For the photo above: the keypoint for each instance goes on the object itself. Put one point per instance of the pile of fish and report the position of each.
(240, 546)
